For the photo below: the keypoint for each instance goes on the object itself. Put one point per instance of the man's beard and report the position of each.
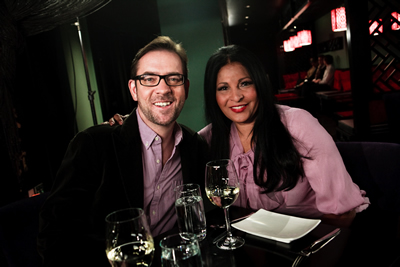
(155, 117)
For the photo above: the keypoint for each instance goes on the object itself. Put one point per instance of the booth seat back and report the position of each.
(291, 80)
(345, 80)
(341, 80)
(336, 81)
(375, 233)
(375, 168)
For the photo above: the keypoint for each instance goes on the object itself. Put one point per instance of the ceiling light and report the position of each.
(247, 17)
(304, 37)
(338, 19)
(287, 46)
(295, 42)
(395, 25)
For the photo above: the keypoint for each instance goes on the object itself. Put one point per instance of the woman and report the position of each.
(286, 161)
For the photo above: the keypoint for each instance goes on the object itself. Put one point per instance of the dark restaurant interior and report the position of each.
(65, 67)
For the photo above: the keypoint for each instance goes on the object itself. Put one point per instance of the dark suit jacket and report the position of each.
(101, 172)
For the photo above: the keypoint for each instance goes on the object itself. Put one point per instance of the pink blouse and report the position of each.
(327, 188)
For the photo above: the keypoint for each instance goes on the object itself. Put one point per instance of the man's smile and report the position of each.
(162, 104)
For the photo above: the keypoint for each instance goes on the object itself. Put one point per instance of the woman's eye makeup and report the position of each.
(246, 83)
(240, 84)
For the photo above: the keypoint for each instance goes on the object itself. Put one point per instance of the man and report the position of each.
(329, 73)
(308, 90)
(320, 68)
(137, 164)
(310, 72)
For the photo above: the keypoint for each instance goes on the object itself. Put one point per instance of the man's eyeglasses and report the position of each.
(154, 80)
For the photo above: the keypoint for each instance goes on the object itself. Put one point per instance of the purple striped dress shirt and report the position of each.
(159, 181)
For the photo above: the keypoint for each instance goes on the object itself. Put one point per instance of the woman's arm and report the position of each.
(341, 220)
(335, 193)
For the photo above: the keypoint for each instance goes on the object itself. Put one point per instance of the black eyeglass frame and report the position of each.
(161, 77)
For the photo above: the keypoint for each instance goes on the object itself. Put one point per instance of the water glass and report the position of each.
(180, 250)
(190, 210)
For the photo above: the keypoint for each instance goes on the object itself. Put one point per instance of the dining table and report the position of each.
(260, 251)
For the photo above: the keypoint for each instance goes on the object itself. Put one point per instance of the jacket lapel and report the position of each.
(127, 149)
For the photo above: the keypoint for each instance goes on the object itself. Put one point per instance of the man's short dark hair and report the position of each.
(161, 43)
(329, 59)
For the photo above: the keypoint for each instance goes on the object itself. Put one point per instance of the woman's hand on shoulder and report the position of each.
(116, 119)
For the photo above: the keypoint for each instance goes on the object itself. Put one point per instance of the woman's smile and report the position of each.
(238, 109)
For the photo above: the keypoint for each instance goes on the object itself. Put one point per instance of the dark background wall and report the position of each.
(116, 33)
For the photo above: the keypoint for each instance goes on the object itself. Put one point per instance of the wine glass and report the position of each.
(222, 189)
(128, 238)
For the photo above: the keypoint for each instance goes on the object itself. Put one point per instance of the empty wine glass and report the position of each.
(222, 189)
(128, 238)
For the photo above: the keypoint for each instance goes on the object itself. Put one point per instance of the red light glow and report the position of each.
(338, 19)
(304, 37)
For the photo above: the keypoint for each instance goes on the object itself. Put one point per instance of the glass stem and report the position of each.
(228, 223)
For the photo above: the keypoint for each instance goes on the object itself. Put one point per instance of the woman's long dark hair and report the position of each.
(275, 151)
